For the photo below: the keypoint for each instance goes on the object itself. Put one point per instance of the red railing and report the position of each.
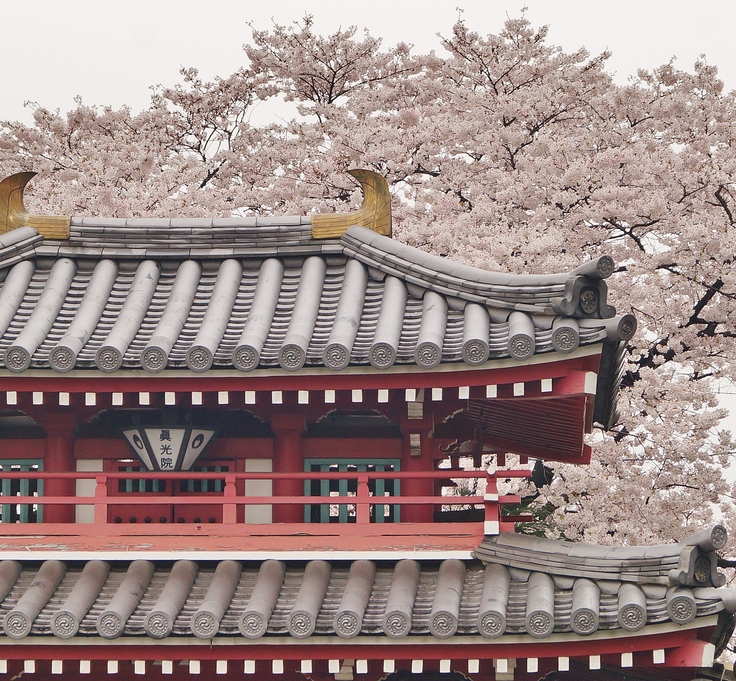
(231, 499)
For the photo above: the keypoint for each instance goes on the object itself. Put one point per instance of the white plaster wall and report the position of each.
(261, 513)
(86, 488)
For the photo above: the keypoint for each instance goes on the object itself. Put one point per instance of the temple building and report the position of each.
(294, 448)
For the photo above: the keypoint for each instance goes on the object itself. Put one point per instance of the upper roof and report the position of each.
(110, 294)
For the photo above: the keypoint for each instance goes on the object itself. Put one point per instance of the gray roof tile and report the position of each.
(234, 222)
(203, 223)
(278, 221)
(171, 242)
(252, 599)
(147, 222)
(99, 222)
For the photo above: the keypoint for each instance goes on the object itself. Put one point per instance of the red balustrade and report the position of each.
(231, 500)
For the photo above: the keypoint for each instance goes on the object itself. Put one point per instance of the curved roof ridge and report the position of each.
(375, 213)
(584, 550)
(18, 244)
(691, 562)
(557, 293)
(173, 235)
(600, 268)
(713, 538)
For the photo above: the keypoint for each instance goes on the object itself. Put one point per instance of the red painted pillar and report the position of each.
(59, 458)
(416, 455)
(288, 457)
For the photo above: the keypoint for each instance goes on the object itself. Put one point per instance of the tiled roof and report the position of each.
(692, 562)
(392, 598)
(272, 292)
(122, 300)
(17, 245)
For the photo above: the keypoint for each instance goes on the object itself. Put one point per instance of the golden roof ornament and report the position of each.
(13, 213)
(375, 213)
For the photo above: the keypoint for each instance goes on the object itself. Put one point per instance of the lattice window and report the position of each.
(140, 486)
(346, 513)
(204, 486)
(187, 486)
(22, 487)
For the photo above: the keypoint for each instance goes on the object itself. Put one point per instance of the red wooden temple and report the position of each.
(277, 447)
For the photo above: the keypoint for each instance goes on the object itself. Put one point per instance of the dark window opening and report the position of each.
(22, 487)
(343, 512)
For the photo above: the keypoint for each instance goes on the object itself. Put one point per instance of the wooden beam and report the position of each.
(682, 642)
(444, 376)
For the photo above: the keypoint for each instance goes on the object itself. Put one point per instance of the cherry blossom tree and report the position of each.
(502, 151)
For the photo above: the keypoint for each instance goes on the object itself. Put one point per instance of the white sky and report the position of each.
(111, 51)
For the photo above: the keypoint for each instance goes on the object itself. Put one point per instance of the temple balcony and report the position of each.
(252, 511)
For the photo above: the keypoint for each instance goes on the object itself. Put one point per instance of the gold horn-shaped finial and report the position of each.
(375, 213)
(13, 212)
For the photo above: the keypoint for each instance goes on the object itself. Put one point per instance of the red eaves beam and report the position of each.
(444, 376)
(682, 648)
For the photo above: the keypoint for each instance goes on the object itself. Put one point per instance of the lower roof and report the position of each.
(447, 599)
